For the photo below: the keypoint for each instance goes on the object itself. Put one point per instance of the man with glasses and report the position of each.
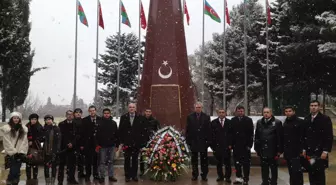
(199, 137)
(268, 144)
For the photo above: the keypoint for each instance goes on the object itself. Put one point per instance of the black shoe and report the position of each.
(227, 180)
(237, 182)
(87, 179)
(72, 181)
(245, 183)
(135, 179)
(194, 178)
(219, 179)
(113, 179)
(127, 179)
(60, 183)
(204, 179)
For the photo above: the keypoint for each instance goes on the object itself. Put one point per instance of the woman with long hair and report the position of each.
(35, 132)
(15, 143)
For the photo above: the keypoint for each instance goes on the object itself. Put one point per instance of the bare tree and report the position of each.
(30, 105)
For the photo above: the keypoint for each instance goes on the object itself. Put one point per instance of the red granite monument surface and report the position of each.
(166, 85)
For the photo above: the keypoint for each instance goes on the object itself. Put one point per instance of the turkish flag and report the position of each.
(143, 18)
(186, 12)
(101, 21)
(268, 10)
(227, 14)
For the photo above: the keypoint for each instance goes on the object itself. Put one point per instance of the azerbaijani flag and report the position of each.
(124, 16)
(211, 12)
(81, 14)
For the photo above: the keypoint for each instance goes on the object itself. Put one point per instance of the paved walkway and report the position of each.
(184, 180)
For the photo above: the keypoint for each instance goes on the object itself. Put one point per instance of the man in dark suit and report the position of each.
(133, 134)
(89, 130)
(293, 145)
(242, 141)
(68, 147)
(80, 153)
(153, 127)
(199, 137)
(221, 145)
(318, 143)
(269, 145)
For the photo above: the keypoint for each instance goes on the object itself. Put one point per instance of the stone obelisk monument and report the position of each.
(165, 85)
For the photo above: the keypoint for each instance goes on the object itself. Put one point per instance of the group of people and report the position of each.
(87, 143)
(304, 143)
(90, 144)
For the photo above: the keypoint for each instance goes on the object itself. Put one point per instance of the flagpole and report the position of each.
(267, 59)
(183, 11)
(139, 49)
(224, 58)
(119, 52)
(245, 61)
(202, 56)
(75, 67)
(97, 41)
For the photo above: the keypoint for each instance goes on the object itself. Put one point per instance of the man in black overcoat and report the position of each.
(221, 145)
(89, 130)
(199, 137)
(293, 145)
(133, 132)
(80, 151)
(318, 143)
(269, 145)
(242, 142)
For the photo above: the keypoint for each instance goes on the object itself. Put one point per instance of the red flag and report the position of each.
(143, 18)
(227, 13)
(186, 12)
(101, 21)
(268, 11)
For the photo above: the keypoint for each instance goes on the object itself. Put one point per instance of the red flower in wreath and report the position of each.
(124, 148)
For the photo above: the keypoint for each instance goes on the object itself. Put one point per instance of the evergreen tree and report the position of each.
(235, 58)
(128, 69)
(16, 56)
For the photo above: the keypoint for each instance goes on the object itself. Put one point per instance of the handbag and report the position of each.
(37, 155)
(8, 158)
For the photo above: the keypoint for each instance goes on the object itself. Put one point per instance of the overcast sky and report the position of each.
(53, 38)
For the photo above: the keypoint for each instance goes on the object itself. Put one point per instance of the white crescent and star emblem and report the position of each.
(165, 63)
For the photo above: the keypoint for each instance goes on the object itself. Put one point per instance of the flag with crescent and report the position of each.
(211, 12)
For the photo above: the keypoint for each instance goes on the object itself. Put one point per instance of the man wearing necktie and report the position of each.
(199, 138)
(89, 130)
(133, 134)
(242, 141)
(221, 145)
(68, 146)
(318, 139)
(269, 145)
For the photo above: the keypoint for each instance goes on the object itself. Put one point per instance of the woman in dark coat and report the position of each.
(35, 131)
